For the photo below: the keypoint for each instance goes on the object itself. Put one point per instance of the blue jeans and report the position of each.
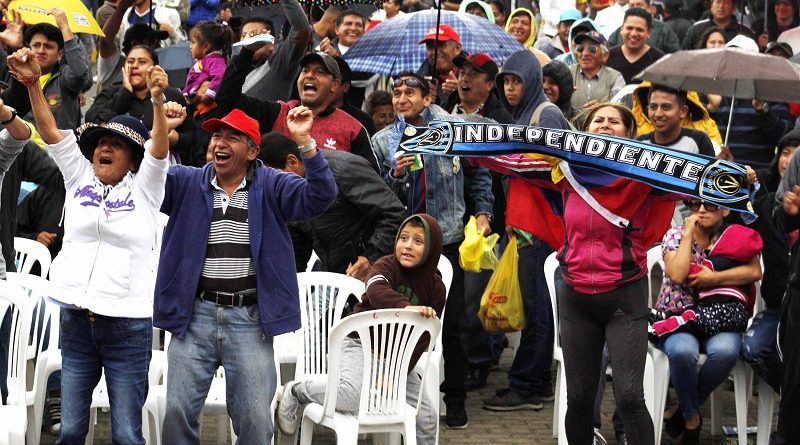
(230, 337)
(760, 346)
(121, 347)
(530, 370)
(683, 350)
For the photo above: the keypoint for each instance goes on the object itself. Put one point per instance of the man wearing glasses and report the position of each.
(435, 185)
(594, 81)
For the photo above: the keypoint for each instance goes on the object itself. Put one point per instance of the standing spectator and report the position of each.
(499, 11)
(340, 98)
(438, 189)
(722, 16)
(635, 54)
(552, 10)
(581, 26)
(239, 280)
(559, 43)
(144, 11)
(104, 12)
(349, 28)
(101, 274)
(522, 95)
(201, 11)
(358, 228)
(594, 81)
(64, 80)
(277, 66)
(319, 78)
(661, 36)
(379, 107)
(325, 26)
(389, 10)
(712, 37)
(667, 110)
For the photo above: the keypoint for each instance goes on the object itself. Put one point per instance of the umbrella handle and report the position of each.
(730, 117)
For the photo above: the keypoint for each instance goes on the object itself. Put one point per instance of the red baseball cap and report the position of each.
(481, 61)
(239, 121)
(445, 33)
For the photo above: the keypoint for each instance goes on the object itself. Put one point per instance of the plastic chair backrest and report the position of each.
(550, 270)
(13, 297)
(446, 270)
(43, 312)
(323, 296)
(388, 338)
(29, 252)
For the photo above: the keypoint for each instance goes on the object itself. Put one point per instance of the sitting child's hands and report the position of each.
(425, 311)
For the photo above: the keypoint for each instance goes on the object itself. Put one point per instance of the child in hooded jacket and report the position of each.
(408, 279)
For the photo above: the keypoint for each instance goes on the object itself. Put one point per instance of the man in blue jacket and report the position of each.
(226, 281)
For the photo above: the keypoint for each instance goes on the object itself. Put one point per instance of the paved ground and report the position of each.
(485, 427)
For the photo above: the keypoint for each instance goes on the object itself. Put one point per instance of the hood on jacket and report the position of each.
(582, 23)
(560, 73)
(524, 65)
(770, 177)
(433, 243)
(534, 25)
(697, 118)
(486, 8)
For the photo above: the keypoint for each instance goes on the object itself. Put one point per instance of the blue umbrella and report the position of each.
(393, 46)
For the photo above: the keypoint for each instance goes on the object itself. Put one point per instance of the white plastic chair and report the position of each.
(42, 314)
(383, 407)
(15, 412)
(29, 252)
(434, 376)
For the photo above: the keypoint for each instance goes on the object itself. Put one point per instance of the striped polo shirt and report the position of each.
(228, 266)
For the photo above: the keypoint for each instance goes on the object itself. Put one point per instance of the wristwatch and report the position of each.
(308, 147)
(10, 119)
(160, 101)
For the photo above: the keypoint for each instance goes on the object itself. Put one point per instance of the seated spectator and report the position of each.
(379, 107)
(594, 81)
(64, 65)
(683, 246)
(523, 26)
(133, 98)
(635, 54)
(558, 87)
(406, 279)
(358, 228)
(661, 35)
(317, 83)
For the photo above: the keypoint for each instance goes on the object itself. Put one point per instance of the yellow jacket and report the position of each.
(697, 118)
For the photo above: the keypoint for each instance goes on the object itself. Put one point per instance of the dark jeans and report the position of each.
(760, 346)
(789, 411)
(453, 331)
(5, 338)
(482, 347)
(121, 347)
(587, 322)
(530, 372)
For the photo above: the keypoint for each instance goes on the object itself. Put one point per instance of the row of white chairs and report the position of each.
(306, 349)
(656, 376)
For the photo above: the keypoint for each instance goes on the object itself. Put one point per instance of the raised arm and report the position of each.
(157, 81)
(23, 66)
(107, 43)
(677, 262)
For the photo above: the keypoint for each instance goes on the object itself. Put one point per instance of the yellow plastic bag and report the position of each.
(501, 304)
(476, 252)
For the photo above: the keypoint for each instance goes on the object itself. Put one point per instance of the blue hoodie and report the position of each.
(525, 65)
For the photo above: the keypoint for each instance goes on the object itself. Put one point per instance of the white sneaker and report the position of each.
(598, 438)
(288, 411)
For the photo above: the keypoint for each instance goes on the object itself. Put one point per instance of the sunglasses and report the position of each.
(695, 206)
(413, 83)
(592, 48)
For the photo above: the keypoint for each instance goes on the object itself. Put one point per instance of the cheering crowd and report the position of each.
(265, 153)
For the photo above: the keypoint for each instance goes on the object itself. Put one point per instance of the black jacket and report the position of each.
(33, 165)
(362, 221)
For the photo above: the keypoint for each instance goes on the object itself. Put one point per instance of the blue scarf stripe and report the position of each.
(713, 180)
